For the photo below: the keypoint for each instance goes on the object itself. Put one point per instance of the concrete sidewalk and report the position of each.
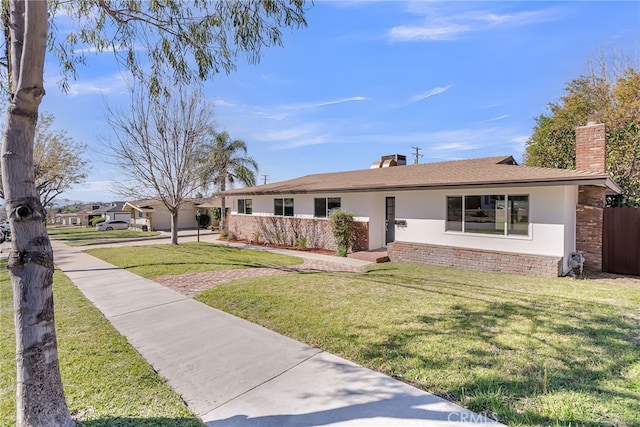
(234, 373)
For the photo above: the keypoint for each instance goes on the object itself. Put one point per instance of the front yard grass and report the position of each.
(154, 261)
(79, 236)
(523, 350)
(107, 383)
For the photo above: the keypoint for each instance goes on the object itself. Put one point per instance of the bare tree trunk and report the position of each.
(39, 396)
(174, 226)
(223, 206)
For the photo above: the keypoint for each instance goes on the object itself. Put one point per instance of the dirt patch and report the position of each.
(192, 284)
(614, 279)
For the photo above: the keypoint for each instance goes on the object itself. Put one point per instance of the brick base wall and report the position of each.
(589, 224)
(474, 259)
(286, 230)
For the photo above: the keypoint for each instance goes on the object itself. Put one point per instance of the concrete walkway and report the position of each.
(234, 373)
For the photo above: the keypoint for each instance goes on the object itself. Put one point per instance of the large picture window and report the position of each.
(323, 206)
(484, 214)
(283, 207)
(454, 214)
(518, 215)
(245, 206)
(496, 214)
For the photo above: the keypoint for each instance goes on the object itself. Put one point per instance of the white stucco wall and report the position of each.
(549, 210)
(570, 200)
(551, 217)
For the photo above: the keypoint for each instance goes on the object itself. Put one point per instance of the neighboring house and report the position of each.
(112, 211)
(75, 218)
(205, 204)
(486, 214)
(152, 214)
(116, 212)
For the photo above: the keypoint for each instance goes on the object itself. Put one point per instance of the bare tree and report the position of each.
(159, 144)
(57, 161)
(195, 40)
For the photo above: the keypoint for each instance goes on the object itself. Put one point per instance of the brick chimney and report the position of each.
(591, 150)
(591, 156)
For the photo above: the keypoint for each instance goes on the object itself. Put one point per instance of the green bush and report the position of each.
(301, 242)
(342, 229)
(97, 220)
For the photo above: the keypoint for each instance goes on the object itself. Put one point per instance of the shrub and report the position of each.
(97, 220)
(301, 242)
(217, 213)
(342, 229)
(224, 234)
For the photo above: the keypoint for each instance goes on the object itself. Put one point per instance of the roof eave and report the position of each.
(607, 182)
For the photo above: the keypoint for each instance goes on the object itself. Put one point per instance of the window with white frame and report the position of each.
(496, 214)
(245, 206)
(283, 207)
(324, 205)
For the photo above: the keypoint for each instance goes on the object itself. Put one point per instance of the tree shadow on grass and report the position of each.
(222, 256)
(141, 422)
(518, 350)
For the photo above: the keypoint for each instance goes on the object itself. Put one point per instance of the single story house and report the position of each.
(487, 214)
(76, 218)
(152, 214)
(116, 212)
(112, 211)
(204, 205)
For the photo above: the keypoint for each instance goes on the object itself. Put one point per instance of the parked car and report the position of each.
(112, 225)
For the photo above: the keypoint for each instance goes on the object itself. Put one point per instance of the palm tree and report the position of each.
(227, 163)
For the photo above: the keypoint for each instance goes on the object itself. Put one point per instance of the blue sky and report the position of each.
(364, 79)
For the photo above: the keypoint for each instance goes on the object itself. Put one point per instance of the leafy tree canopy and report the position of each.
(194, 39)
(605, 96)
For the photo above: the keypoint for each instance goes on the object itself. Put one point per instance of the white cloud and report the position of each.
(451, 20)
(296, 143)
(521, 142)
(284, 111)
(114, 84)
(404, 33)
(515, 19)
(520, 139)
(495, 119)
(223, 103)
(290, 133)
(319, 104)
(278, 116)
(422, 96)
(455, 146)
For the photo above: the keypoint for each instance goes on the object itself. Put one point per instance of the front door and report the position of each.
(390, 222)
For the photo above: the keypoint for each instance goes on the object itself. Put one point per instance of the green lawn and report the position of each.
(107, 383)
(523, 350)
(78, 236)
(153, 261)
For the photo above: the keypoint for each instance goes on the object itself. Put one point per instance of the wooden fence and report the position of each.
(621, 241)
